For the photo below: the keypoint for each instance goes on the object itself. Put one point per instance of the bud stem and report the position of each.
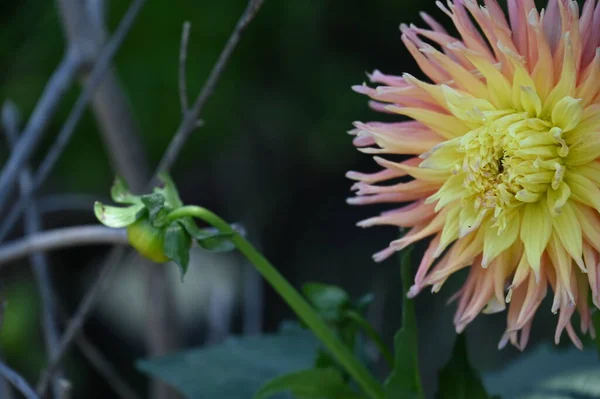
(302, 308)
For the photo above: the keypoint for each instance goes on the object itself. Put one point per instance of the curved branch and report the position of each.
(17, 381)
(61, 238)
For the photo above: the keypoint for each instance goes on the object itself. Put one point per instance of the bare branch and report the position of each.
(185, 37)
(17, 381)
(65, 389)
(9, 172)
(61, 238)
(83, 310)
(51, 203)
(58, 84)
(39, 261)
(191, 117)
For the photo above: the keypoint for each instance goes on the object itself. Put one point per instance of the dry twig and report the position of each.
(17, 381)
(191, 117)
(39, 261)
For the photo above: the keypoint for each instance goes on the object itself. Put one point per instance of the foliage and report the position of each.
(236, 368)
(458, 380)
(404, 381)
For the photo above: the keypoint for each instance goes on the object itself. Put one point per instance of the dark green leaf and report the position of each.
(117, 217)
(404, 380)
(120, 193)
(309, 384)
(363, 303)
(154, 203)
(169, 191)
(458, 380)
(177, 246)
(584, 384)
(236, 368)
(330, 301)
(219, 242)
(209, 239)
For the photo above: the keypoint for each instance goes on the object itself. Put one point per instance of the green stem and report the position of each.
(373, 335)
(302, 308)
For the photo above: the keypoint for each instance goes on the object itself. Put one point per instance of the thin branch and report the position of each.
(100, 363)
(52, 203)
(191, 117)
(9, 172)
(78, 320)
(185, 38)
(67, 203)
(59, 83)
(17, 381)
(85, 29)
(65, 389)
(39, 261)
(61, 238)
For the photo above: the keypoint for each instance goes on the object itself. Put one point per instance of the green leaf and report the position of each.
(458, 380)
(208, 239)
(404, 380)
(309, 384)
(363, 303)
(120, 193)
(330, 301)
(177, 246)
(117, 217)
(580, 384)
(154, 202)
(169, 191)
(596, 322)
(236, 368)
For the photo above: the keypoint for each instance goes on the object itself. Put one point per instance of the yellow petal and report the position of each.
(496, 241)
(536, 228)
(568, 231)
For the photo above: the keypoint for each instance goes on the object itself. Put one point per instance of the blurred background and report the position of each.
(271, 155)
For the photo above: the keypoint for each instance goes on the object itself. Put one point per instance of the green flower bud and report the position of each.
(147, 240)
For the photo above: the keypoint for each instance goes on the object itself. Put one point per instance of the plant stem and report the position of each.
(304, 311)
(373, 335)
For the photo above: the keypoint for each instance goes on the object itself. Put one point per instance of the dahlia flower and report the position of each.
(502, 170)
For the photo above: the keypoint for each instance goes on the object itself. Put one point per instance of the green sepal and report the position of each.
(177, 244)
(154, 202)
(320, 383)
(119, 192)
(169, 191)
(117, 217)
(208, 239)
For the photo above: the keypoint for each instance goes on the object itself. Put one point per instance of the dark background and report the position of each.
(271, 155)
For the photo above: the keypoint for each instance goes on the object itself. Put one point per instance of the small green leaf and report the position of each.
(458, 380)
(309, 384)
(208, 239)
(154, 202)
(177, 246)
(119, 192)
(117, 217)
(169, 191)
(404, 380)
(330, 301)
(363, 303)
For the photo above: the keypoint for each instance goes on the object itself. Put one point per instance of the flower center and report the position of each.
(509, 158)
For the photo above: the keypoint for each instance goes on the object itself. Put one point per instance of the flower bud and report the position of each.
(147, 240)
